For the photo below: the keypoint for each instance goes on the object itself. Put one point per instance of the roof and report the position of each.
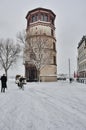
(81, 41)
(48, 10)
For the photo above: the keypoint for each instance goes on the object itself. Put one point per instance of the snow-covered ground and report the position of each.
(43, 106)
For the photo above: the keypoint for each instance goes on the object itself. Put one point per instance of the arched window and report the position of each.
(44, 17)
(35, 18)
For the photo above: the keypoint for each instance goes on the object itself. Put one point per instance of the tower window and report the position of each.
(44, 17)
(35, 18)
(52, 20)
(54, 60)
(54, 47)
(52, 34)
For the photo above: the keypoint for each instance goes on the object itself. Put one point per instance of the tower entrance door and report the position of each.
(31, 73)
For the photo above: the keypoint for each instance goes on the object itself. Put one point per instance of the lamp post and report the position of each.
(69, 69)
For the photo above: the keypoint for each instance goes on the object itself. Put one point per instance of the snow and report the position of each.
(43, 106)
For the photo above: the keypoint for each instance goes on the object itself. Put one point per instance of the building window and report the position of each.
(52, 34)
(35, 18)
(54, 60)
(54, 47)
(44, 17)
(32, 56)
(52, 20)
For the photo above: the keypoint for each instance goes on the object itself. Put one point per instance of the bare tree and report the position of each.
(21, 37)
(9, 53)
(38, 50)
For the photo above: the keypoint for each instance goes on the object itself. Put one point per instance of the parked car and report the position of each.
(61, 78)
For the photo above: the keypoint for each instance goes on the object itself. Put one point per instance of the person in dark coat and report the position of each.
(21, 82)
(3, 83)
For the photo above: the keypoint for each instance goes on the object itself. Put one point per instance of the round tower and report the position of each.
(40, 48)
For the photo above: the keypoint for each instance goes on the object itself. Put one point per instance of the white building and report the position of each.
(81, 60)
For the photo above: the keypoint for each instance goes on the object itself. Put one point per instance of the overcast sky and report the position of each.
(70, 25)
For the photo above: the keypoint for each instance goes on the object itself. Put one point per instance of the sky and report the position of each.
(70, 25)
(43, 106)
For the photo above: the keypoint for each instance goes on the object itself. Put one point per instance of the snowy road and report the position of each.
(43, 106)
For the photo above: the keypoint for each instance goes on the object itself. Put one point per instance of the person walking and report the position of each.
(21, 84)
(3, 83)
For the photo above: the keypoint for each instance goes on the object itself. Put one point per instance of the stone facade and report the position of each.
(40, 33)
(81, 60)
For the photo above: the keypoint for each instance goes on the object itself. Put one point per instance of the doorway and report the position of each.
(31, 73)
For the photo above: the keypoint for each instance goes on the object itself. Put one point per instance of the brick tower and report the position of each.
(40, 48)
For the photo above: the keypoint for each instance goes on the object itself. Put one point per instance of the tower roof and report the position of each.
(44, 9)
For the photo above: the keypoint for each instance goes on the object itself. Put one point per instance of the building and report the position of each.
(81, 60)
(40, 39)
